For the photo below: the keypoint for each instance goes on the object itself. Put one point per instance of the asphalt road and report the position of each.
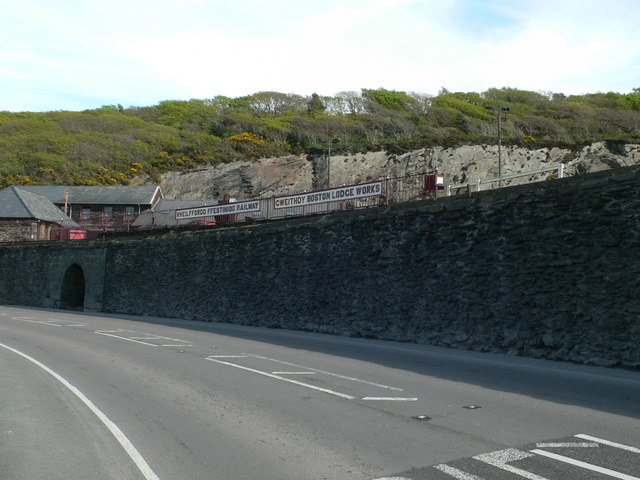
(86, 396)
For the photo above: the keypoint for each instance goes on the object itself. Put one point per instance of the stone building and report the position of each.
(104, 209)
(26, 216)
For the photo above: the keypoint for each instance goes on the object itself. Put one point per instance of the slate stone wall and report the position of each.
(32, 273)
(545, 270)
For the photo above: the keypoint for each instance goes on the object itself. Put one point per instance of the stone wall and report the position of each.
(545, 270)
(32, 273)
(20, 230)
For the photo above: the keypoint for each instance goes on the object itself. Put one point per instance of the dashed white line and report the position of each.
(284, 379)
(122, 335)
(52, 322)
(133, 453)
(126, 338)
(40, 322)
(324, 372)
(585, 465)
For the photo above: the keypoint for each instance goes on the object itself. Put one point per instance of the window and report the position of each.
(129, 211)
(85, 213)
(108, 213)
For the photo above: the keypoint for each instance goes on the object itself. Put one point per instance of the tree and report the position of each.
(633, 99)
(275, 103)
(388, 98)
(315, 104)
(348, 103)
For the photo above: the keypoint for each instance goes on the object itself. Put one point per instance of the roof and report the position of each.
(121, 195)
(18, 203)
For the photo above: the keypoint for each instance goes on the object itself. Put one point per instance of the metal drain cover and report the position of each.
(422, 418)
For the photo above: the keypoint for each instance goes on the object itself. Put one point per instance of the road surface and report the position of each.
(94, 396)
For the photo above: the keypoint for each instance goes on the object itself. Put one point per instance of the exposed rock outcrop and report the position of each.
(469, 163)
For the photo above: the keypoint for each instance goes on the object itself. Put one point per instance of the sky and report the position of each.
(83, 54)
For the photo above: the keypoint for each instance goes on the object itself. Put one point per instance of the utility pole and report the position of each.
(501, 110)
(327, 144)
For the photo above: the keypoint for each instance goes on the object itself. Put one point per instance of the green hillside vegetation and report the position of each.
(112, 144)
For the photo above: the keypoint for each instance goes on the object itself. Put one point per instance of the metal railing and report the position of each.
(392, 190)
(556, 168)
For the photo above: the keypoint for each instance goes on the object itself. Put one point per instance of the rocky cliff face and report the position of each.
(470, 163)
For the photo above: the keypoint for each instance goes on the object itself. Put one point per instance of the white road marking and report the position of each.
(294, 373)
(122, 335)
(353, 379)
(501, 458)
(50, 322)
(39, 322)
(284, 379)
(586, 466)
(393, 478)
(226, 356)
(609, 443)
(133, 453)
(125, 338)
(455, 473)
(392, 399)
(568, 445)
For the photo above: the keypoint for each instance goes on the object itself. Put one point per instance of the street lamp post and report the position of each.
(327, 144)
(501, 110)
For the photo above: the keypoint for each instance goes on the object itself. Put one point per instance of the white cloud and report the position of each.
(138, 52)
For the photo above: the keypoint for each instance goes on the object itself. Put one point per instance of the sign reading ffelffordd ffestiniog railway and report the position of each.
(227, 209)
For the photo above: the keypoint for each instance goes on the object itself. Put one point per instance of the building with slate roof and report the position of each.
(104, 209)
(27, 216)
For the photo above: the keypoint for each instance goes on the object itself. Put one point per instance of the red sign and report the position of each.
(434, 182)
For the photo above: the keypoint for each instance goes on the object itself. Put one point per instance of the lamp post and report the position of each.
(327, 144)
(503, 109)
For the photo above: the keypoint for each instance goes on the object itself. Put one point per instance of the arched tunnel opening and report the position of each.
(73, 287)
